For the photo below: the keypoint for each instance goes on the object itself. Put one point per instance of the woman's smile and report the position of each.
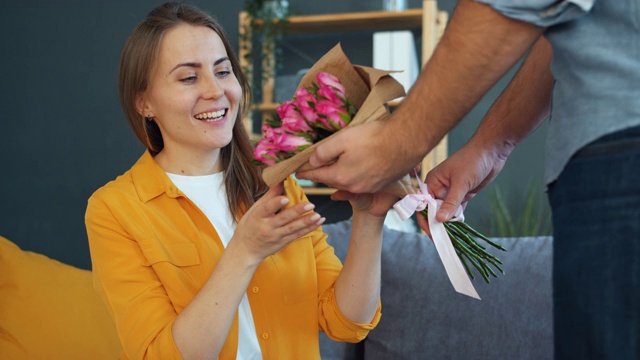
(216, 116)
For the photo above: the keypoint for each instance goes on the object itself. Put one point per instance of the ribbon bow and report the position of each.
(419, 201)
(423, 200)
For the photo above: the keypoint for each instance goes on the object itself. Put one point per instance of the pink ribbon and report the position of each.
(412, 203)
(419, 201)
(452, 264)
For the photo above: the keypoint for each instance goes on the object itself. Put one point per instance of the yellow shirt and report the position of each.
(152, 249)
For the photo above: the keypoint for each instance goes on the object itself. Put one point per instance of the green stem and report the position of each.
(476, 233)
(478, 267)
(481, 250)
(464, 263)
(469, 254)
(463, 238)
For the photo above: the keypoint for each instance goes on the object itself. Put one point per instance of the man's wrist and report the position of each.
(500, 148)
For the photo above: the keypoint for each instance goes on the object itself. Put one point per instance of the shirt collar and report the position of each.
(150, 180)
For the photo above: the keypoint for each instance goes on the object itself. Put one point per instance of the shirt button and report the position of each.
(255, 289)
(265, 336)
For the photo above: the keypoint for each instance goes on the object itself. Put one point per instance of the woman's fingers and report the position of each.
(295, 218)
(302, 226)
(272, 201)
(281, 220)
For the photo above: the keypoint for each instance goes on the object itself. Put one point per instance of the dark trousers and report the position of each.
(596, 260)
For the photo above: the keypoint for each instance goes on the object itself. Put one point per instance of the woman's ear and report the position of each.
(142, 107)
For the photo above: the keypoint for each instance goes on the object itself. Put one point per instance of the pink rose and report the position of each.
(329, 111)
(296, 125)
(329, 93)
(303, 95)
(279, 140)
(291, 142)
(265, 152)
(270, 133)
(326, 79)
(292, 120)
(285, 109)
(306, 110)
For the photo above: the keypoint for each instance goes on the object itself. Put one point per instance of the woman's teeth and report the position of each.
(211, 116)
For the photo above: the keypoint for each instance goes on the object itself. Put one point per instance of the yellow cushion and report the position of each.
(49, 310)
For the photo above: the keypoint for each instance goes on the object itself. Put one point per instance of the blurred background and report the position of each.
(63, 135)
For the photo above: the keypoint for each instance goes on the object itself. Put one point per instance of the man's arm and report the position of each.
(477, 48)
(523, 105)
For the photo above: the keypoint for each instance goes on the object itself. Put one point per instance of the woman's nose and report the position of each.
(213, 89)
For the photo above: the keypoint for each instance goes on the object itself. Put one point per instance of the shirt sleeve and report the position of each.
(328, 266)
(134, 295)
(543, 13)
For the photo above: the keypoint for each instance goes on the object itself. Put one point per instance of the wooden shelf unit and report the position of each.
(428, 18)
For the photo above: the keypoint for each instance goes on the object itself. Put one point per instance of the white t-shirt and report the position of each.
(207, 192)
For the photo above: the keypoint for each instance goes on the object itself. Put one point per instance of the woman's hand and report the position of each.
(268, 226)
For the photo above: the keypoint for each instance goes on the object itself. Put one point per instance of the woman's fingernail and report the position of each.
(314, 217)
(321, 221)
(309, 207)
(284, 201)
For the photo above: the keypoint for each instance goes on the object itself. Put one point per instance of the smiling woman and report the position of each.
(178, 239)
(193, 97)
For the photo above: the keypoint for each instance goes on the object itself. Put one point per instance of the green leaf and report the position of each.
(345, 117)
(274, 121)
(527, 217)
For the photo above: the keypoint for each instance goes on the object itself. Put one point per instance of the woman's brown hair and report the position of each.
(242, 179)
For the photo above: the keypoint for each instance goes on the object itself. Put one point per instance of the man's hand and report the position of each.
(461, 176)
(362, 159)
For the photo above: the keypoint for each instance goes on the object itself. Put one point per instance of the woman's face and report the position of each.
(193, 94)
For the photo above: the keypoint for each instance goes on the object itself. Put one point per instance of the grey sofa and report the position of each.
(424, 318)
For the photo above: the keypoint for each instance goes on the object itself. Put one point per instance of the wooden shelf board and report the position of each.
(264, 107)
(318, 191)
(367, 20)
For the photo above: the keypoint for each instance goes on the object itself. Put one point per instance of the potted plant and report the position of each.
(528, 217)
(261, 33)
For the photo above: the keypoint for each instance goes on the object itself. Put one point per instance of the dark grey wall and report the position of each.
(62, 134)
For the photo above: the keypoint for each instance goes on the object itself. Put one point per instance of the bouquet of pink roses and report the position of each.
(314, 113)
(332, 95)
(335, 94)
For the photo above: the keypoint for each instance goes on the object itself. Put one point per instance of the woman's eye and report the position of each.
(189, 79)
(223, 73)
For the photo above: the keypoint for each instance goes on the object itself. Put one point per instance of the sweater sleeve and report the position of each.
(135, 297)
